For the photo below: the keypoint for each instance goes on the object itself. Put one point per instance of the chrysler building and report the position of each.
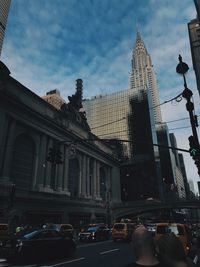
(143, 75)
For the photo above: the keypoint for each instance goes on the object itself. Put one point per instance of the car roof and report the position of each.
(40, 231)
(170, 224)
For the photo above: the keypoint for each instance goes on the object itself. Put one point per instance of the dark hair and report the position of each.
(197, 243)
(171, 249)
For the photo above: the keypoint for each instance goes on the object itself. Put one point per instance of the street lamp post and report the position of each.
(182, 68)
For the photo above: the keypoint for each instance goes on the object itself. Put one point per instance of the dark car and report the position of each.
(41, 244)
(95, 233)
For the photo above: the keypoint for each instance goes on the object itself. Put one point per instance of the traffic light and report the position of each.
(194, 148)
(58, 158)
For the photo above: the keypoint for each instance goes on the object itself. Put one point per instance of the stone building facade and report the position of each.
(78, 184)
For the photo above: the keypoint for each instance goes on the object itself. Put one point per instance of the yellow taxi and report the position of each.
(180, 230)
(123, 231)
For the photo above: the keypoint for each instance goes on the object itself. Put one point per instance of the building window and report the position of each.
(22, 162)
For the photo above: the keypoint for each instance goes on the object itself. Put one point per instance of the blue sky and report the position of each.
(50, 43)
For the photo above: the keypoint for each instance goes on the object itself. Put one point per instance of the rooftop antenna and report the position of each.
(137, 26)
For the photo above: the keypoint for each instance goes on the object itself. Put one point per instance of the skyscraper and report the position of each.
(180, 183)
(53, 97)
(134, 115)
(4, 9)
(109, 115)
(143, 75)
(197, 4)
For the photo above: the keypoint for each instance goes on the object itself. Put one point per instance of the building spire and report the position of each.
(139, 44)
(143, 75)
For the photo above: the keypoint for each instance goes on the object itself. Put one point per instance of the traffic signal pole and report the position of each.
(182, 68)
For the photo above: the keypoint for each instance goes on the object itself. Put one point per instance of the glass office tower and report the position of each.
(127, 117)
(4, 9)
(109, 117)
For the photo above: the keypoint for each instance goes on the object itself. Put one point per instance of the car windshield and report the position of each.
(177, 230)
(66, 227)
(31, 235)
(92, 229)
(119, 226)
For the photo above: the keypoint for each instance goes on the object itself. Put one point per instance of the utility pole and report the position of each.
(182, 68)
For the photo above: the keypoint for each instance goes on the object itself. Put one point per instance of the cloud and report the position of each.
(56, 42)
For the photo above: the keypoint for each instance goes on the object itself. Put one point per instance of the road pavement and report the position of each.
(98, 254)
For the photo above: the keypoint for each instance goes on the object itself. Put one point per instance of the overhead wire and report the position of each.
(178, 98)
(123, 118)
(174, 98)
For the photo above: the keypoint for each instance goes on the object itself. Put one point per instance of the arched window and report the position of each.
(102, 184)
(73, 177)
(22, 162)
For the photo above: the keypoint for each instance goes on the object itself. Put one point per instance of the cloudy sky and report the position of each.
(50, 43)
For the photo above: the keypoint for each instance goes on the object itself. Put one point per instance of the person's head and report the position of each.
(171, 250)
(142, 242)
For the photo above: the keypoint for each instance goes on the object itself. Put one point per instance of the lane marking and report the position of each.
(93, 244)
(108, 251)
(64, 262)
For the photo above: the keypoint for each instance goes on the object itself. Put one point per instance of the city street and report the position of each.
(99, 139)
(99, 254)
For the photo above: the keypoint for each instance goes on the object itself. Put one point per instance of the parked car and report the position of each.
(40, 244)
(95, 233)
(122, 231)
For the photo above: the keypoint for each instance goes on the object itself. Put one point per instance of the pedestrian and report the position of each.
(144, 249)
(171, 252)
(194, 253)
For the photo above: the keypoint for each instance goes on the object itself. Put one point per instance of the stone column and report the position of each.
(83, 186)
(66, 175)
(60, 171)
(80, 176)
(9, 149)
(88, 176)
(48, 169)
(36, 163)
(95, 178)
(43, 153)
(110, 182)
(98, 179)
